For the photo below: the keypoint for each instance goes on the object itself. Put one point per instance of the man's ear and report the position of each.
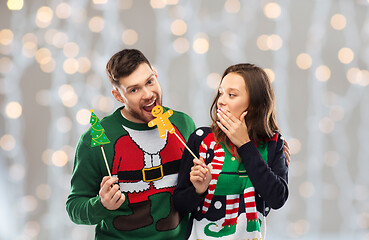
(117, 95)
(155, 72)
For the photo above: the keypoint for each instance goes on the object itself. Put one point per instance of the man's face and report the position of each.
(140, 92)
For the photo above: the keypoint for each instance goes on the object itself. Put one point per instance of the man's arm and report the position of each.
(84, 204)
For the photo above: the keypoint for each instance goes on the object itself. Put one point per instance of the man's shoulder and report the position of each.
(177, 113)
(85, 137)
(110, 124)
(111, 117)
(179, 116)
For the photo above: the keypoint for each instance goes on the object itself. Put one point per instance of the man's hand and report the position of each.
(110, 195)
(200, 175)
(286, 150)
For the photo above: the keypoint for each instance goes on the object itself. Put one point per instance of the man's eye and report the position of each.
(133, 90)
(232, 95)
(150, 81)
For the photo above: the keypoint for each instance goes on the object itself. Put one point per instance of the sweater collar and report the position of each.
(125, 122)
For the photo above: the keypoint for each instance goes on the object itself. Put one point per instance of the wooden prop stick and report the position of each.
(185, 145)
(106, 162)
(206, 168)
(162, 122)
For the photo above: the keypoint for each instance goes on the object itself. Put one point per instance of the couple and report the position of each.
(239, 174)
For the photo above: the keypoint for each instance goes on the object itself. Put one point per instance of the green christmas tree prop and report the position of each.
(97, 131)
(98, 136)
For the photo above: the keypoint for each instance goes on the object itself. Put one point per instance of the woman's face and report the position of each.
(233, 95)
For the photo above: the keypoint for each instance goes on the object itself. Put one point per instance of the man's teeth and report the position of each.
(150, 104)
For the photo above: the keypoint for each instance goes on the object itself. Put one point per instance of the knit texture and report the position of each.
(237, 200)
(148, 211)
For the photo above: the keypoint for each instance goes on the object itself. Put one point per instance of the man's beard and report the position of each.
(138, 116)
(145, 118)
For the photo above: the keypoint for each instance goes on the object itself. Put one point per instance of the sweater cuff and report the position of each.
(196, 198)
(247, 147)
(203, 195)
(99, 210)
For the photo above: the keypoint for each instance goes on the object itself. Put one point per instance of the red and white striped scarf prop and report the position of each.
(232, 201)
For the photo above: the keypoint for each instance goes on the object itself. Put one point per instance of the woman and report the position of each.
(242, 171)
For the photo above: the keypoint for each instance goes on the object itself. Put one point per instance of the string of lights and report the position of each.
(52, 72)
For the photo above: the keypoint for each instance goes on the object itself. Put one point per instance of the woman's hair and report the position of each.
(261, 113)
(123, 63)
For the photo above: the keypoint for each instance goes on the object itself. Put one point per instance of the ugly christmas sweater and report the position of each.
(240, 194)
(147, 168)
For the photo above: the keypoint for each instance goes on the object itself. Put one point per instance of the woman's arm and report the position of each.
(185, 197)
(269, 179)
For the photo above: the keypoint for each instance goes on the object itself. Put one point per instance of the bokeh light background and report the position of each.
(52, 72)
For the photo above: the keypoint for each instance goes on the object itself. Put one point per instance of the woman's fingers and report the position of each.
(198, 171)
(224, 120)
(200, 162)
(227, 116)
(196, 179)
(242, 117)
(230, 122)
(220, 125)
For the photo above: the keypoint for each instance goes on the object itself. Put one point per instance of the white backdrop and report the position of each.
(52, 72)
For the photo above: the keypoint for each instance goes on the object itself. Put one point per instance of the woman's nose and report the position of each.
(221, 101)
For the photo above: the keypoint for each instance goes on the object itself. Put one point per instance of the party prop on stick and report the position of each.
(162, 121)
(98, 136)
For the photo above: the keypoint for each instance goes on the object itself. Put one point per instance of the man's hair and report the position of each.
(123, 63)
(261, 117)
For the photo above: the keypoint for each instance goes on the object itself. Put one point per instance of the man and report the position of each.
(136, 202)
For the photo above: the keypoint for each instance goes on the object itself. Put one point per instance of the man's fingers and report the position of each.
(103, 181)
(287, 151)
(108, 183)
(112, 191)
(121, 200)
(111, 181)
(117, 195)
